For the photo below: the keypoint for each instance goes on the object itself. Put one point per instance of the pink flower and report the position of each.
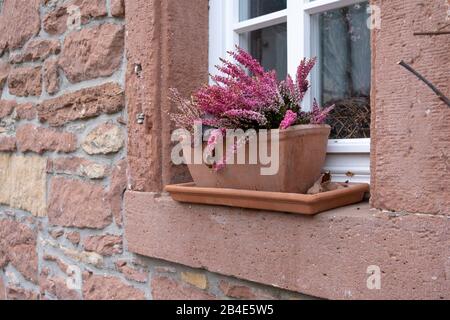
(247, 116)
(219, 165)
(289, 119)
(303, 70)
(239, 97)
(319, 115)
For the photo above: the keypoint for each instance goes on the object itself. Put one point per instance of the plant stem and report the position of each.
(428, 83)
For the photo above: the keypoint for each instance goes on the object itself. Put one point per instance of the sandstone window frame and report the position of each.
(348, 159)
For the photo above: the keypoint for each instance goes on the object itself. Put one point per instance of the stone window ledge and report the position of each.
(326, 256)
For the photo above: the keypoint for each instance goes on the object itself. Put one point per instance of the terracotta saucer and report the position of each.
(270, 201)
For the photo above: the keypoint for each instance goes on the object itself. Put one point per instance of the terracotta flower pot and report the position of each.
(302, 152)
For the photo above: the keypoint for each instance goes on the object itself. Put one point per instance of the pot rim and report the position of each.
(299, 130)
(303, 130)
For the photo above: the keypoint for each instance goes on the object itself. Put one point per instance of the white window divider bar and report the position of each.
(261, 22)
(319, 6)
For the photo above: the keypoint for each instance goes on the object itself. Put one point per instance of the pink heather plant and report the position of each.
(242, 96)
(245, 96)
(289, 119)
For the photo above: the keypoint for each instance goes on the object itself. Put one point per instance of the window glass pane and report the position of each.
(345, 68)
(249, 9)
(269, 46)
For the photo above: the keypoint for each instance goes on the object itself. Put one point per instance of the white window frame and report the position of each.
(348, 159)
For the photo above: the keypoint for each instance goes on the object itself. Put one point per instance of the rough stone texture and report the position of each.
(117, 189)
(6, 108)
(410, 125)
(18, 246)
(105, 139)
(4, 72)
(40, 140)
(82, 104)
(61, 265)
(7, 126)
(78, 204)
(57, 233)
(275, 249)
(37, 50)
(7, 144)
(23, 183)
(57, 287)
(18, 23)
(25, 81)
(2, 290)
(92, 53)
(26, 111)
(149, 144)
(17, 293)
(109, 288)
(77, 166)
(239, 291)
(118, 8)
(105, 245)
(131, 273)
(164, 288)
(236, 291)
(56, 21)
(74, 237)
(82, 257)
(51, 76)
(198, 280)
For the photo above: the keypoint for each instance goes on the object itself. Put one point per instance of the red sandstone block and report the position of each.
(18, 247)
(236, 291)
(118, 8)
(164, 288)
(116, 191)
(19, 22)
(105, 245)
(37, 50)
(57, 287)
(17, 293)
(131, 273)
(109, 288)
(25, 81)
(92, 53)
(26, 111)
(7, 144)
(51, 76)
(74, 237)
(77, 166)
(55, 22)
(6, 108)
(2, 290)
(40, 140)
(282, 250)
(74, 203)
(4, 72)
(410, 124)
(83, 104)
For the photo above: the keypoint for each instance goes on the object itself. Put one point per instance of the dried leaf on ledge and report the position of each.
(324, 184)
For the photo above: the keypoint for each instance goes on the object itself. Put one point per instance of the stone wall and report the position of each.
(72, 83)
(63, 170)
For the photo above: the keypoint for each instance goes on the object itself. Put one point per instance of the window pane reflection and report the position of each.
(269, 46)
(345, 69)
(249, 9)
